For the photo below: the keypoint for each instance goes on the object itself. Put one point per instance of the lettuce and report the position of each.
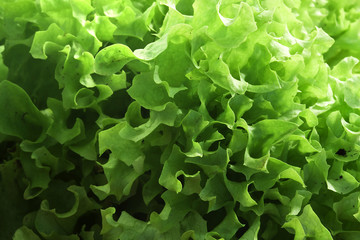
(179, 119)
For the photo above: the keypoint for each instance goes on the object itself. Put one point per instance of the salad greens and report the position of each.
(179, 119)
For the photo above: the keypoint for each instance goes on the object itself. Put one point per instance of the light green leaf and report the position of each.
(264, 134)
(148, 93)
(308, 225)
(3, 69)
(228, 25)
(166, 117)
(123, 149)
(48, 42)
(120, 179)
(112, 59)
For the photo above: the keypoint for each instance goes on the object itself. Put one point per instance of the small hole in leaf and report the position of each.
(235, 176)
(214, 146)
(141, 216)
(181, 179)
(273, 201)
(228, 96)
(88, 116)
(241, 128)
(18, 163)
(237, 206)
(341, 152)
(88, 220)
(35, 191)
(104, 158)
(241, 231)
(145, 113)
(214, 218)
(215, 109)
(284, 179)
(98, 169)
(256, 195)
(117, 104)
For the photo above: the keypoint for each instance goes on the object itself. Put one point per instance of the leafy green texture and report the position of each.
(179, 119)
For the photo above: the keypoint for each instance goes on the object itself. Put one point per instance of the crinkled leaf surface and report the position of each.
(179, 119)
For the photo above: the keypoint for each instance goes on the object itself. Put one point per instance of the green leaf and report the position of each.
(20, 116)
(177, 206)
(215, 193)
(212, 162)
(341, 181)
(58, 128)
(48, 42)
(123, 149)
(25, 233)
(316, 171)
(3, 69)
(306, 225)
(120, 179)
(252, 232)
(276, 169)
(351, 96)
(343, 70)
(148, 93)
(49, 223)
(347, 209)
(166, 116)
(219, 73)
(229, 225)
(112, 59)
(172, 169)
(228, 25)
(194, 225)
(264, 134)
(80, 9)
(179, 119)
